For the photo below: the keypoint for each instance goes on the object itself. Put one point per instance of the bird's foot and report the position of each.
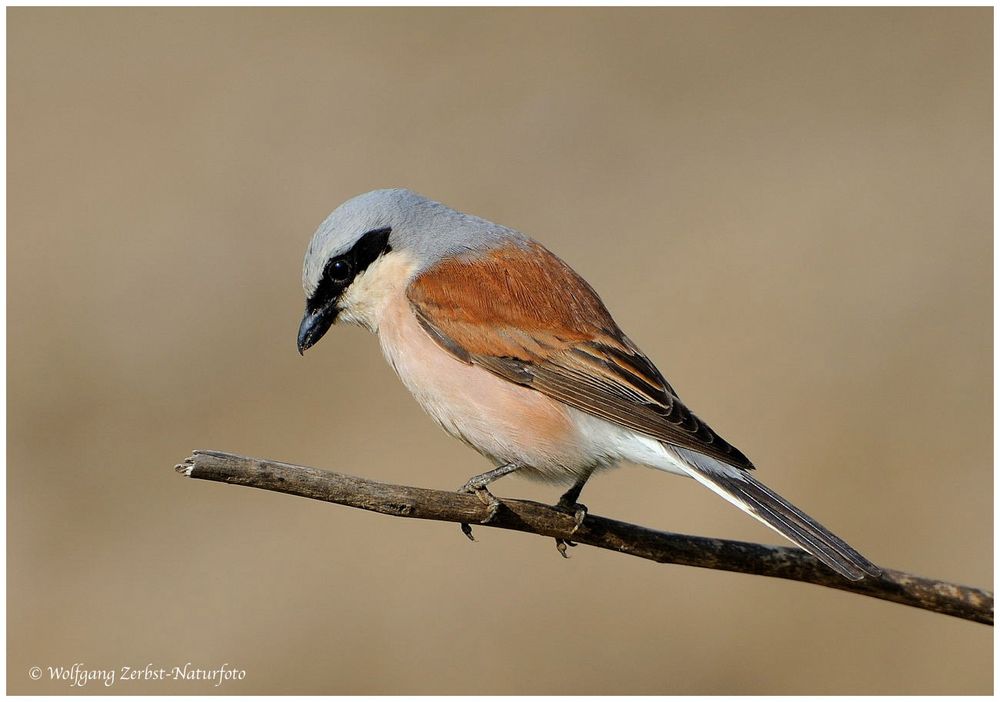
(478, 488)
(578, 511)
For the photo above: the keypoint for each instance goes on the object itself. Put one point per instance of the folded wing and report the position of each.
(524, 315)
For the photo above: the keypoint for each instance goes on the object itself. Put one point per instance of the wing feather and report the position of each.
(524, 315)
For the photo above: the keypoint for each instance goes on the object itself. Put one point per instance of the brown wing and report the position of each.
(524, 315)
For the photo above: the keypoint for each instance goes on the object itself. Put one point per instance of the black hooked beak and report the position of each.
(315, 324)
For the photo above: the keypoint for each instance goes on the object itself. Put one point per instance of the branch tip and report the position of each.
(186, 466)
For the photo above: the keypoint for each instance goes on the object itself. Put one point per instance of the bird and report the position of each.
(512, 352)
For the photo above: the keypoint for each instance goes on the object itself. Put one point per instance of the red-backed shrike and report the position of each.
(512, 352)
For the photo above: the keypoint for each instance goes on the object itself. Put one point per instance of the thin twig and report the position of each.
(521, 515)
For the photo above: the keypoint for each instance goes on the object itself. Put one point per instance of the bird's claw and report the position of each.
(578, 511)
(486, 497)
(561, 545)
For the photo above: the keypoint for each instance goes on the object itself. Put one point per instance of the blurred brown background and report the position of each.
(789, 210)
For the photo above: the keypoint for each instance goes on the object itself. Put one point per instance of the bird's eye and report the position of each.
(339, 270)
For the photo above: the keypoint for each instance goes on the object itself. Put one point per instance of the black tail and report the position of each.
(785, 518)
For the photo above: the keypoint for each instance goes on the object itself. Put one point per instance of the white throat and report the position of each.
(365, 301)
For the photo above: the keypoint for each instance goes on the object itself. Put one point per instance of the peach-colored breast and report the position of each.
(503, 421)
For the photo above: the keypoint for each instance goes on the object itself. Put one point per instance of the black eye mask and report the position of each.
(341, 271)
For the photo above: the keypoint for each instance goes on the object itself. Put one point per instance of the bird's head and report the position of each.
(372, 246)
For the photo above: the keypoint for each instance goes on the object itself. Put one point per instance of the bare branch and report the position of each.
(521, 515)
